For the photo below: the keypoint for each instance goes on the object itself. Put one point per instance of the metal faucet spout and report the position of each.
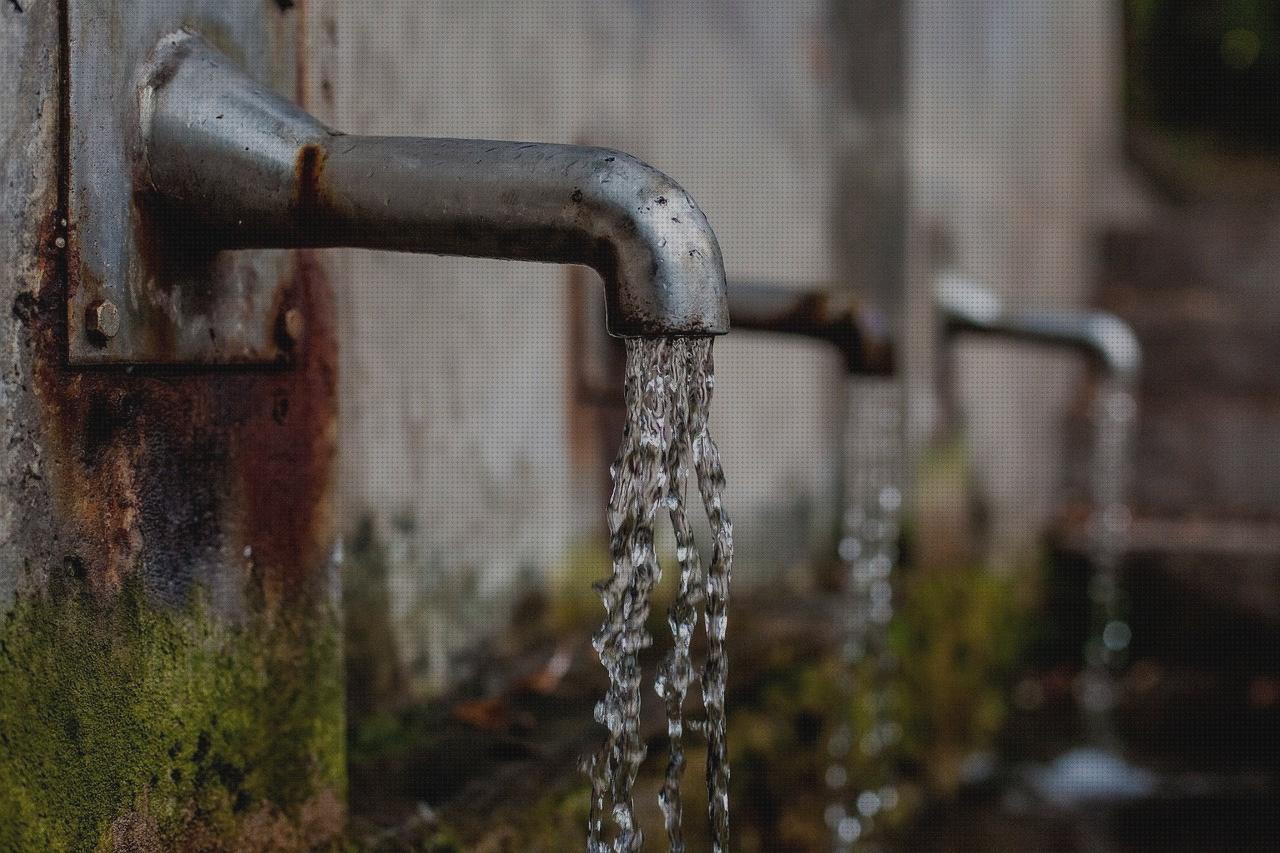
(829, 315)
(244, 168)
(965, 307)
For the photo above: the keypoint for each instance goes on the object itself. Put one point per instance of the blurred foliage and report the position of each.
(958, 639)
(421, 834)
(1210, 70)
(780, 757)
(955, 647)
(574, 600)
(375, 680)
(556, 822)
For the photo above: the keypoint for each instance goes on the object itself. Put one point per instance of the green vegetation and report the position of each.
(132, 723)
(958, 635)
(1207, 71)
(958, 638)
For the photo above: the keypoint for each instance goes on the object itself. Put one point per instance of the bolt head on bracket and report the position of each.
(102, 321)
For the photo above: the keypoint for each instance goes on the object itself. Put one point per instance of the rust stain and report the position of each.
(286, 446)
(862, 338)
(308, 176)
(163, 473)
(581, 436)
(596, 406)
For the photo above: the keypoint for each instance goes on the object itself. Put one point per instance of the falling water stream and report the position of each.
(1107, 648)
(862, 791)
(1097, 770)
(669, 382)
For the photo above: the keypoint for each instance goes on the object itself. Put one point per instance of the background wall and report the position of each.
(456, 399)
(458, 415)
(1015, 152)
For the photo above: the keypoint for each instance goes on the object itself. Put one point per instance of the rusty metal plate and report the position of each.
(132, 296)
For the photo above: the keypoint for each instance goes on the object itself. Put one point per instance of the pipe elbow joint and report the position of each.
(657, 253)
(1115, 345)
(832, 316)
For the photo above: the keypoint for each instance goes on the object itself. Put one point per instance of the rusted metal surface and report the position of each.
(835, 317)
(596, 362)
(177, 300)
(216, 479)
(165, 539)
(191, 479)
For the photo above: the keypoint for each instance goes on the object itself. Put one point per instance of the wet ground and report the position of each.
(495, 766)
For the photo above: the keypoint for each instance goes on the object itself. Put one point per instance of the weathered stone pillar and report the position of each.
(170, 657)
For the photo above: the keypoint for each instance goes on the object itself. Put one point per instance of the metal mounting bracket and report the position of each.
(133, 298)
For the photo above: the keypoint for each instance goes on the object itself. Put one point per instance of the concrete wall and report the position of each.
(164, 540)
(1014, 137)
(456, 404)
(459, 422)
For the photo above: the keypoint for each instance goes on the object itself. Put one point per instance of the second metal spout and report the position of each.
(833, 316)
(241, 167)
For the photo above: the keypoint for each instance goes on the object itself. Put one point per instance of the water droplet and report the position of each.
(1116, 636)
(849, 829)
(837, 776)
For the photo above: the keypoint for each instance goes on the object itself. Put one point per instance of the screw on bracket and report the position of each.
(292, 327)
(102, 321)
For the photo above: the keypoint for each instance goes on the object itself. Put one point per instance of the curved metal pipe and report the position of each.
(230, 165)
(965, 307)
(832, 316)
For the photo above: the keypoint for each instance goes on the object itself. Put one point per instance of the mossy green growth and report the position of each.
(958, 637)
(134, 713)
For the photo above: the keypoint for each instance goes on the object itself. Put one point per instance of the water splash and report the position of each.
(669, 382)
(869, 551)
